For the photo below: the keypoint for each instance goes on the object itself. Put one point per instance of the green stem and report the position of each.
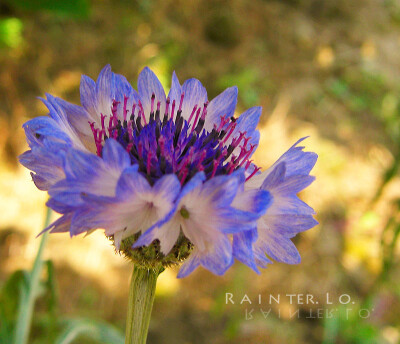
(29, 292)
(141, 298)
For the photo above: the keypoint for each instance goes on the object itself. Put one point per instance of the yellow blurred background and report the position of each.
(325, 69)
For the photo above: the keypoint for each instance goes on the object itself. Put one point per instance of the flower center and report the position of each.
(172, 144)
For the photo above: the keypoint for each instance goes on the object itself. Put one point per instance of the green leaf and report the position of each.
(99, 331)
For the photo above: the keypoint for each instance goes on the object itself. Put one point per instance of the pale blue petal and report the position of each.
(242, 248)
(175, 91)
(222, 105)
(115, 155)
(148, 84)
(88, 94)
(274, 178)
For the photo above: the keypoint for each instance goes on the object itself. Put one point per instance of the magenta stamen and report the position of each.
(247, 154)
(95, 133)
(191, 115)
(99, 148)
(130, 131)
(181, 101)
(254, 172)
(187, 159)
(173, 109)
(101, 133)
(231, 128)
(167, 107)
(246, 140)
(217, 161)
(114, 107)
(103, 117)
(204, 113)
(201, 159)
(195, 120)
(231, 167)
(243, 152)
(129, 147)
(248, 164)
(140, 149)
(133, 109)
(161, 144)
(184, 175)
(153, 97)
(224, 120)
(91, 126)
(125, 111)
(110, 123)
(142, 112)
(236, 141)
(215, 166)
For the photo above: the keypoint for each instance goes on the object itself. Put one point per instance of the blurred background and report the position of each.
(320, 68)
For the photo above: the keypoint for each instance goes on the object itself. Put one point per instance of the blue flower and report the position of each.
(168, 178)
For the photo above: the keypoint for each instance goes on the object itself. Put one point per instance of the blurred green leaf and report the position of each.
(388, 175)
(51, 286)
(5, 328)
(10, 293)
(98, 331)
(11, 32)
(73, 8)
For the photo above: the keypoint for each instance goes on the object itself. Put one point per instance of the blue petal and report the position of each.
(289, 225)
(222, 190)
(281, 249)
(222, 105)
(248, 120)
(235, 220)
(297, 161)
(175, 91)
(193, 183)
(148, 84)
(115, 155)
(47, 127)
(77, 116)
(188, 266)
(255, 201)
(81, 165)
(242, 248)
(104, 87)
(122, 88)
(293, 184)
(220, 259)
(131, 183)
(61, 225)
(291, 205)
(169, 186)
(40, 182)
(261, 259)
(60, 207)
(87, 91)
(195, 94)
(275, 177)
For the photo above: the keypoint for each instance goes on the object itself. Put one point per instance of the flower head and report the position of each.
(168, 178)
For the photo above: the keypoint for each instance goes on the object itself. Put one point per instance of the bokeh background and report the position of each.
(320, 68)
